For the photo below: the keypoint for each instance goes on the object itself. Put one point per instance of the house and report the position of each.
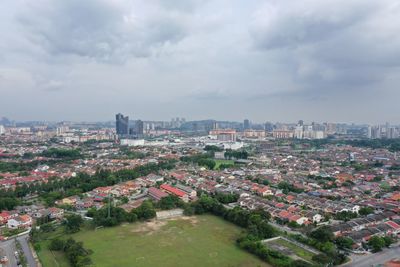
(4, 216)
(191, 192)
(298, 219)
(156, 194)
(23, 221)
(175, 191)
(264, 191)
(68, 201)
(316, 217)
(56, 213)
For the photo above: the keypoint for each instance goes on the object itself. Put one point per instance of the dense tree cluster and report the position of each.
(236, 154)
(323, 239)
(111, 216)
(77, 255)
(287, 187)
(62, 153)
(73, 223)
(131, 154)
(377, 243)
(226, 198)
(20, 166)
(212, 148)
(204, 160)
(366, 210)
(345, 215)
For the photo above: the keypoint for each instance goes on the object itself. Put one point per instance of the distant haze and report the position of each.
(331, 60)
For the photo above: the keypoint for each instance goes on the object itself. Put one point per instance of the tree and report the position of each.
(365, 211)
(145, 211)
(169, 202)
(345, 215)
(322, 234)
(56, 244)
(73, 223)
(376, 243)
(109, 216)
(322, 258)
(388, 241)
(344, 242)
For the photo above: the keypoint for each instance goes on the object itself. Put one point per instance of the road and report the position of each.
(284, 228)
(374, 259)
(23, 240)
(8, 249)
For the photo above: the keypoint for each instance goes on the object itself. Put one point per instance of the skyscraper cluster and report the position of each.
(383, 131)
(126, 128)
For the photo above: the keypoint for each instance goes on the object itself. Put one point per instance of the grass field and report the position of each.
(291, 249)
(195, 241)
(218, 163)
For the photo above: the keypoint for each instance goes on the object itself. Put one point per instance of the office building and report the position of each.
(136, 128)
(2, 130)
(227, 135)
(246, 124)
(122, 124)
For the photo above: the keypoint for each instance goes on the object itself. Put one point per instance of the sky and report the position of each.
(283, 60)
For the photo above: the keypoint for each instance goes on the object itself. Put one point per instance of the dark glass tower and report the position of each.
(122, 124)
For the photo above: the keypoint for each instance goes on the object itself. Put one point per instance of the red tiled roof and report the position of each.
(173, 190)
(393, 225)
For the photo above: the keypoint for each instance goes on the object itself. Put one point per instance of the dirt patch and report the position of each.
(191, 219)
(155, 225)
(150, 226)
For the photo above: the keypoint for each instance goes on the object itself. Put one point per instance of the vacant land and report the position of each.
(290, 249)
(190, 241)
(218, 163)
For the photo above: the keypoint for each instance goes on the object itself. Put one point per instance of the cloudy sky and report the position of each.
(283, 60)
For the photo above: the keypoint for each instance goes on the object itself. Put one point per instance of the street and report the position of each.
(7, 248)
(23, 240)
(374, 259)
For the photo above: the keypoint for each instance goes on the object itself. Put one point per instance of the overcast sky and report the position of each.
(283, 60)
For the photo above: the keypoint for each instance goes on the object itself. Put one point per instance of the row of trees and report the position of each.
(20, 166)
(58, 188)
(236, 154)
(112, 216)
(62, 153)
(376, 243)
(204, 160)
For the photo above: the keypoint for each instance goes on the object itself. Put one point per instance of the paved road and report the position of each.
(374, 259)
(8, 249)
(23, 240)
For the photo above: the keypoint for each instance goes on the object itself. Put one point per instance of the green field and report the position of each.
(196, 241)
(218, 162)
(290, 249)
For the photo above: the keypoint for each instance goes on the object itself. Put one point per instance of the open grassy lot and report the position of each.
(290, 249)
(195, 241)
(218, 163)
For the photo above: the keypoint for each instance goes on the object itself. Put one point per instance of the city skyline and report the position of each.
(262, 60)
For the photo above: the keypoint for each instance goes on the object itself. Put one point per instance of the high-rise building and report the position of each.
(269, 127)
(136, 128)
(246, 124)
(122, 124)
(2, 130)
(215, 125)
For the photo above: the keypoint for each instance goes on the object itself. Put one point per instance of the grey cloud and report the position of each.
(97, 29)
(275, 59)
